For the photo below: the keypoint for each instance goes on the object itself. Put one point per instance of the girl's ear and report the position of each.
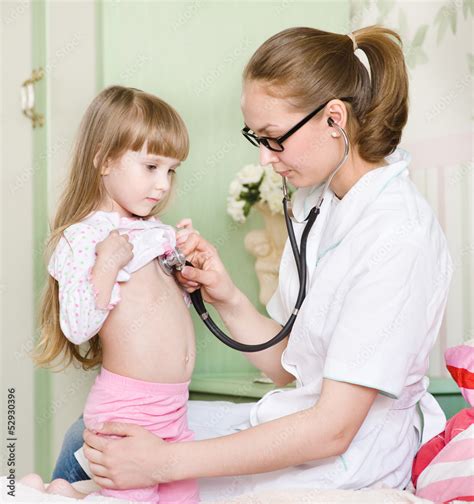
(105, 169)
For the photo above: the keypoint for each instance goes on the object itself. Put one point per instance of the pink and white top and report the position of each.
(74, 257)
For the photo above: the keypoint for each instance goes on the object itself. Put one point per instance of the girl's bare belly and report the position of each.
(149, 335)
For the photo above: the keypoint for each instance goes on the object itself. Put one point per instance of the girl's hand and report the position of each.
(138, 460)
(207, 273)
(116, 250)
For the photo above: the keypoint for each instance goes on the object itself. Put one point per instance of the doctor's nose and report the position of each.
(266, 156)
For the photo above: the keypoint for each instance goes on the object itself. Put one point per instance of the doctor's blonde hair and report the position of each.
(117, 120)
(310, 66)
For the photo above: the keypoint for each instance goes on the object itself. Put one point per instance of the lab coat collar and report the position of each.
(353, 204)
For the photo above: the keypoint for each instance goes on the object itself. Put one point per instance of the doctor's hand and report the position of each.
(208, 273)
(138, 460)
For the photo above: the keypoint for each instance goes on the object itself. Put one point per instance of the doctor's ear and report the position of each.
(337, 113)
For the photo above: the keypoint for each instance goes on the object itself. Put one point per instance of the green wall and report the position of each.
(192, 55)
(43, 399)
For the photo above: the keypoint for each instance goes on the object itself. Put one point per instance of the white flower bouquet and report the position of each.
(253, 184)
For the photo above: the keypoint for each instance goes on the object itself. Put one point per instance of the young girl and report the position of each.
(107, 289)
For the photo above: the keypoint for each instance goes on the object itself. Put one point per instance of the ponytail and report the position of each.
(382, 121)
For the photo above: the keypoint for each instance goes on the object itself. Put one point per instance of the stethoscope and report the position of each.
(175, 261)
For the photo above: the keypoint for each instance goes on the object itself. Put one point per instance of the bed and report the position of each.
(376, 496)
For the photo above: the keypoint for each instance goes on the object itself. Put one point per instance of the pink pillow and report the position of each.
(460, 363)
(443, 469)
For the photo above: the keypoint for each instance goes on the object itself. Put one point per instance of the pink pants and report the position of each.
(160, 408)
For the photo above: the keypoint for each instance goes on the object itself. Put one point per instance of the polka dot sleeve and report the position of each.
(71, 265)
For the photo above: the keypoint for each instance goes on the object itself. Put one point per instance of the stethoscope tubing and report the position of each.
(198, 302)
(299, 254)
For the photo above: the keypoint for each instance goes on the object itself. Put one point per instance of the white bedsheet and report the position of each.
(210, 419)
(28, 495)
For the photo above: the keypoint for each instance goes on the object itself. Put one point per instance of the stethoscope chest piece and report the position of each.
(171, 261)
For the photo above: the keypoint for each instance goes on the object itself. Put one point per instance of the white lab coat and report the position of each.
(379, 271)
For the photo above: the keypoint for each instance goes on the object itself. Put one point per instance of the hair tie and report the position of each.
(354, 43)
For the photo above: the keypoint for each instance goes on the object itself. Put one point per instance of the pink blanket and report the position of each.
(443, 469)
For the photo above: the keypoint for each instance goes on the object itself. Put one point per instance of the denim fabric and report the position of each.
(67, 467)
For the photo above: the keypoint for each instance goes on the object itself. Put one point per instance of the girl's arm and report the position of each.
(103, 278)
(86, 269)
(141, 459)
(241, 318)
(111, 255)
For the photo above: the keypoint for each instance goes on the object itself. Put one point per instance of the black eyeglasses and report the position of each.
(275, 144)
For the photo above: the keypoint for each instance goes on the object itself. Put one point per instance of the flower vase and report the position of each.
(267, 246)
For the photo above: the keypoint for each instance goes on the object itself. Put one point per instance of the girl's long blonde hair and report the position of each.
(117, 120)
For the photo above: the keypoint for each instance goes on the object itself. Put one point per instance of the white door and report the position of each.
(61, 38)
(16, 235)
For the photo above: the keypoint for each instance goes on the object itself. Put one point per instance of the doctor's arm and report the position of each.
(141, 459)
(244, 322)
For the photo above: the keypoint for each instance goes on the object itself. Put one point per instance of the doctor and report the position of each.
(379, 271)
